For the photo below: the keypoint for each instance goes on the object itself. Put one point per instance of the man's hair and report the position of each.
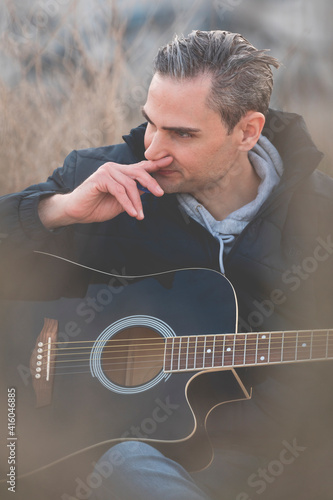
(242, 78)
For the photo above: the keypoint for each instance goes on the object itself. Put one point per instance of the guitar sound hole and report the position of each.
(133, 356)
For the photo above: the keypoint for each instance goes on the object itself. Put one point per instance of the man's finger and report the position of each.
(125, 190)
(152, 165)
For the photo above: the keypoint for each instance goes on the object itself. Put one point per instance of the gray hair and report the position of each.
(242, 78)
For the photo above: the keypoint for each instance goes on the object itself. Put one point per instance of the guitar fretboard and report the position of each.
(234, 350)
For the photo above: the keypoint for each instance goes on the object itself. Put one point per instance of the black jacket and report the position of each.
(280, 265)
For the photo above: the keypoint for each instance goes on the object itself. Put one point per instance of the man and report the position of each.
(231, 188)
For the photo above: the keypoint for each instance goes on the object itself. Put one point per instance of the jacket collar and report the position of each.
(135, 141)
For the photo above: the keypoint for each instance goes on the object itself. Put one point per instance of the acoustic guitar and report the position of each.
(138, 358)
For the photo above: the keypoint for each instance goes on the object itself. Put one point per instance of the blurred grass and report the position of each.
(59, 94)
(49, 110)
(39, 130)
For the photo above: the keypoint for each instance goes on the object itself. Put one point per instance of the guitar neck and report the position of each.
(194, 353)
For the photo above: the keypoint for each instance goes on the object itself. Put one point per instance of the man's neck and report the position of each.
(232, 192)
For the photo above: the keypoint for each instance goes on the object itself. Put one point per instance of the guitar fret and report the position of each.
(262, 348)
(269, 348)
(172, 352)
(229, 349)
(180, 343)
(176, 353)
(223, 350)
(200, 352)
(187, 352)
(276, 347)
(245, 347)
(204, 354)
(182, 354)
(282, 345)
(218, 351)
(167, 355)
(191, 355)
(233, 349)
(195, 352)
(250, 349)
(209, 351)
(240, 349)
(319, 347)
(303, 350)
(214, 347)
(311, 345)
(289, 346)
(256, 357)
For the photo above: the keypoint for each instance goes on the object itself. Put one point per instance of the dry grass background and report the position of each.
(57, 93)
(48, 112)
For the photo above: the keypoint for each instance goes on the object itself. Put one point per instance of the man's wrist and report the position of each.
(51, 212)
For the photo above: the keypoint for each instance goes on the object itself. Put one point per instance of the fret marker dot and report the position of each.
(262, 358)
(209, 351)
(229, 349)
(263, 336)
(304, 345)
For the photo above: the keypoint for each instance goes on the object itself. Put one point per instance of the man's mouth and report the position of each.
(165, 171)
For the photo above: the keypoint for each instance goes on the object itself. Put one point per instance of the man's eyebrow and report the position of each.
(176, 129)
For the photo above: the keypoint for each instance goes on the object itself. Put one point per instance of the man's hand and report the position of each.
(110, 190)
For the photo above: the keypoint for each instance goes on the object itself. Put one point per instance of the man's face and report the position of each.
(181, 125)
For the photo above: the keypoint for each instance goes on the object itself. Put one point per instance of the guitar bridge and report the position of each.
(42, 362)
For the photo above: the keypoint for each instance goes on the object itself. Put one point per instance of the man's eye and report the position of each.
(183, 134)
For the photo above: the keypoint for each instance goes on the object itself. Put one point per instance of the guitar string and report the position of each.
(161, 342)
(150, 358)
(287, 333)
(159, 367)
(186, 341)
(185, 348)
(191, 357)
(238, 350)
(197, 361)
(245, 340)
(198, 355)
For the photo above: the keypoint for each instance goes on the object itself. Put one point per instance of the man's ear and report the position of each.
(250, 127)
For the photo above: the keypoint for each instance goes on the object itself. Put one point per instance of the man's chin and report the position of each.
(168, 185)
(169, 189)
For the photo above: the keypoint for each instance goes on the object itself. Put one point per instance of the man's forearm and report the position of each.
(51, 211)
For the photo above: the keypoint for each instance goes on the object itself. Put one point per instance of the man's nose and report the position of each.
(157, 148)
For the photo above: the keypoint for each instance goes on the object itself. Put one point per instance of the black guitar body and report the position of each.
(91, 406)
